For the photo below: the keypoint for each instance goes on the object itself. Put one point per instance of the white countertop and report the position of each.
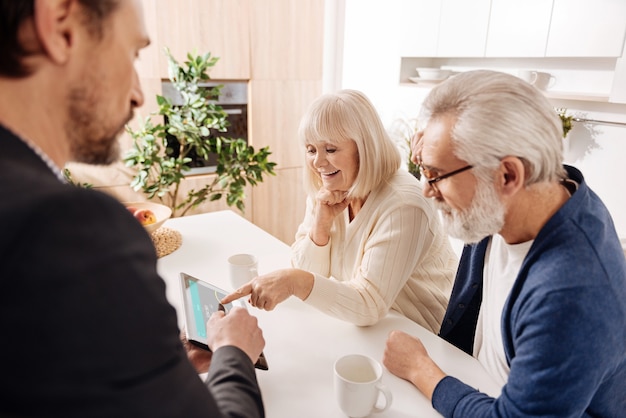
(302, 343)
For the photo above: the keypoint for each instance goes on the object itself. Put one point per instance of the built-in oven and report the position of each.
(233, 99)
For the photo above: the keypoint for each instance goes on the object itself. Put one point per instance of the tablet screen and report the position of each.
(200, 301)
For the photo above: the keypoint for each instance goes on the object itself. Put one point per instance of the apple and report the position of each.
(145, 216)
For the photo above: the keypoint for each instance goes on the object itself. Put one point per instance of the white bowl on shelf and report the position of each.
(427, 73)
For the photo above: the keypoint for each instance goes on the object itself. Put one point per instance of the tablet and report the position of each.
(200, 301)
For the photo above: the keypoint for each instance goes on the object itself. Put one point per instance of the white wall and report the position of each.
(599, 151)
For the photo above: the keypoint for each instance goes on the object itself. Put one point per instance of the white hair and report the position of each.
(499, 115)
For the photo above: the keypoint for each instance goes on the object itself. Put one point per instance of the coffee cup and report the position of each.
(528, 76)
(242, 269)
(540, 80)
(544, 80)
(358, 385)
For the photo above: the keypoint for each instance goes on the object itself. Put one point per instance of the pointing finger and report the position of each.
(244, 290)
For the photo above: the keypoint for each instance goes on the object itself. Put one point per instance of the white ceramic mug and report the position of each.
(358, 385)
(242, 269)
(544, 81)
(528, 76)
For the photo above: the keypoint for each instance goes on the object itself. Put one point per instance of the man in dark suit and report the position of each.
(87, 330)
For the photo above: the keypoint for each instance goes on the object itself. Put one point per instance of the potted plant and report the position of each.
(196, 124)
(565, 120)
(403, 130)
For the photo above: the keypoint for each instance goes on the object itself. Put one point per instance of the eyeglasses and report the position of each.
(428, 175)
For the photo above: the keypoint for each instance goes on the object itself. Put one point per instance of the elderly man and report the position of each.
(540, 290)
(87, 329)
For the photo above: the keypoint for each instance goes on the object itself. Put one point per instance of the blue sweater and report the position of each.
(563, 324)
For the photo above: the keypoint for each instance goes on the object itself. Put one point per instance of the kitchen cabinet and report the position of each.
(286, 39)
(417, 24)
(276, 110)
(283, 201)
(618, 92)
(518, 28)
(463, 28)
(220, 27)
(580, 28)
(508, 28)
(578, 42)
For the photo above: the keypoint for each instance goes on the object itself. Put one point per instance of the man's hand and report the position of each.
(237, 328)
(406, 357)
(199, 357)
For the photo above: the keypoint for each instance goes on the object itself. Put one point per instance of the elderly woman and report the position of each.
(369, 241)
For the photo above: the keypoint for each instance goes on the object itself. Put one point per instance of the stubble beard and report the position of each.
(484, 216)
(92, 139)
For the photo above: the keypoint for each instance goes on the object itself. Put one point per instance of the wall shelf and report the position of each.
(595, 75)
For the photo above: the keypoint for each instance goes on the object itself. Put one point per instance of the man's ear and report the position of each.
(54, 24)
(512, 175)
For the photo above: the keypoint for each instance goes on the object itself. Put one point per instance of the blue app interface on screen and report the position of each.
(204, 301)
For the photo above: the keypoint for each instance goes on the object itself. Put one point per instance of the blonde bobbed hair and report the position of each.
(348, 115)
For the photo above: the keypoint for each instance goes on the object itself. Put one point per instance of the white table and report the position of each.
(301, 342)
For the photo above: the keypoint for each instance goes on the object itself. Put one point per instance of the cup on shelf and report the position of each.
(540, 80)
(358, 385)
(528, 76)
(242, 268)
(544, 81)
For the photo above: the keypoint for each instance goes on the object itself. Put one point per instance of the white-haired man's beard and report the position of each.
(484, 216)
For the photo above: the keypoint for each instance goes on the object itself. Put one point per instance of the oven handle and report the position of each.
(233, 111)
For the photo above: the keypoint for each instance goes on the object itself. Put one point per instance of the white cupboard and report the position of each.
(582, 28)
(463, 28)
(417, 23)
(504, 28)
(518, 28)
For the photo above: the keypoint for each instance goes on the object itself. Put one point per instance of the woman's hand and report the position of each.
(330, 203)
(269, 290)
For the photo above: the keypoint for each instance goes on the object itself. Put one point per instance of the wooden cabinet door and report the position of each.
(581, 28)
(518, 28)
(463, 28)
(276, 107)
(275, 110)
(279, 204)
(220, 27)
(287, 39)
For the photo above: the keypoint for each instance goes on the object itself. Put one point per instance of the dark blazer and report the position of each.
(86, 328)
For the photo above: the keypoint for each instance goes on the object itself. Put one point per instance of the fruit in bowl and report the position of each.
(145, 216)
(150, 215)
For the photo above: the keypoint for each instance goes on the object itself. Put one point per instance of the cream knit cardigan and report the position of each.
(394, 254)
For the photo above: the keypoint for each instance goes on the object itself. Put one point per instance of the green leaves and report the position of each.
(566, 120)
(67, 174)
(195, 124)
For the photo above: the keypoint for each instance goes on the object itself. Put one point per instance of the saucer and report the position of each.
(427, 80)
